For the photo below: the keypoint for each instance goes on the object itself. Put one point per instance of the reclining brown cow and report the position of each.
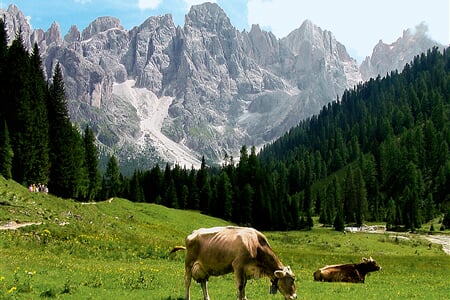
(242, 250)
(355, 273)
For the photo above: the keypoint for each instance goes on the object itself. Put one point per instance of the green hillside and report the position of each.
(134, 223)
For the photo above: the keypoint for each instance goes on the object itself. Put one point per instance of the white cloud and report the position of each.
(148, 4)
(82, 1)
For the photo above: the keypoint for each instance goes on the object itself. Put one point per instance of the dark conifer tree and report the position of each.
(184, 197)
(350, 197)
(6, 152)
(194, 191)
(79, 173)
(40, 163)
(111, 180)
(3, 70)
(62, 140)
(205, 192)
(170, 196)
(224, 198)
(206, 197)
(362, 206)
(19, 110)
(91, 156)
(152, 184)
(391, 214)
(167, 184)
(339, 222)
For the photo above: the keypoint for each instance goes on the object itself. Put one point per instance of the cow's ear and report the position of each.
(280, 273)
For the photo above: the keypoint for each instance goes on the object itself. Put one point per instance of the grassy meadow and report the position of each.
(119, 250)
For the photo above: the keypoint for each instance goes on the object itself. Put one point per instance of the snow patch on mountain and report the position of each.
(152, 111)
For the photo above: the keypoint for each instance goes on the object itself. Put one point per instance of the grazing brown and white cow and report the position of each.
(355, 273)
(245, 251)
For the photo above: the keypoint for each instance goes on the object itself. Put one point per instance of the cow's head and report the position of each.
(284, 281)
(370, 265)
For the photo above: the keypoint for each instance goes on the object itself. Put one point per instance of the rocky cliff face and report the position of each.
(160, 92)
(388, 57)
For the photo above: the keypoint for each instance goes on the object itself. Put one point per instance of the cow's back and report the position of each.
(338, 273)
(215, 249)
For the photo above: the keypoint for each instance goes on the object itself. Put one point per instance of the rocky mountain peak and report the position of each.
(100, 24)
(14, 10)
(15, 20)
(308, 33)
(265, 47)
(208, 16)
(317, 51)
(73, 35)
(53, 34)
(154, 22)
(387, 57)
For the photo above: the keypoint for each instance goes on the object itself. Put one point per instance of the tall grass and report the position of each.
(119, 250)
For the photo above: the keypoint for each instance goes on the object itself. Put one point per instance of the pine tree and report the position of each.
(91, 156)
(193, 199)
(339, 222)
(361, 195)
(205, 192)
(3, 70)
(170, 196)
(40, 164)
(111, 179)
(79, 180)
(62, 138)
(206, 197)
(247, 207)
(6, 152)
(329, 204)
(350, 197)
(224, 202)
(391, 214)
(19, 109)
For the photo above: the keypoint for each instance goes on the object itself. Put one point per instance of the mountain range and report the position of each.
(161, 93)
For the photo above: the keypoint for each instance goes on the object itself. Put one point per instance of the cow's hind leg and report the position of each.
(187, 282)
(204, 284)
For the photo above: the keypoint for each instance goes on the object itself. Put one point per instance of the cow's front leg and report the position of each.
(204, 284)
(241, 281)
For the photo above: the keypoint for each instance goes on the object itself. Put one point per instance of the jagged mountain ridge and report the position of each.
(394, 56)
(166, 93)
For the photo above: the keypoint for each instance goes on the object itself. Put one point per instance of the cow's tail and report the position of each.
(176, 248)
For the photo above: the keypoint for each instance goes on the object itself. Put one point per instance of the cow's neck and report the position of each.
(269, 262)
(362, 269)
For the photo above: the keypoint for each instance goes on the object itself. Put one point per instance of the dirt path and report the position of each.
(14, 225)
(443, 240)
(440, 239)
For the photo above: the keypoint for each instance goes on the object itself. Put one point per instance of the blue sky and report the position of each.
(358, 24)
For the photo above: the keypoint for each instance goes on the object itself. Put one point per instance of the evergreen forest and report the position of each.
(379, 153)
